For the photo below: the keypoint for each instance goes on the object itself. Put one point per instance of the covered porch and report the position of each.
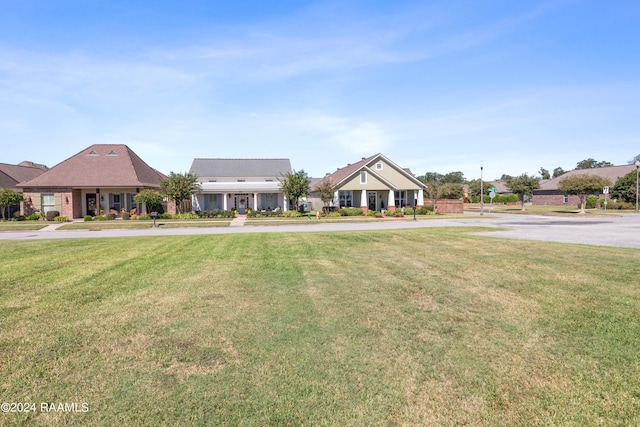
(378, 200)
(262, 196)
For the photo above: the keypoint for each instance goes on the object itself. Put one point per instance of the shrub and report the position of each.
(126, 216)
(62, 219)
(51, 215)
(620, 205)
(351, 212)
(396, 213)
(512, 198)
(218, 213)
(33, 217)
(425, 210)
(164, 215)
(134, 217)
(144, 217)
(375, 214)
(88, 218)
(591, 202)
(408, 211)
(111, 216)
(99, 218)
(185, 216)
(291, 214)
(334, 214)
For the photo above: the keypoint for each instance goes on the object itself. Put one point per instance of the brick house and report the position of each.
(11, 175)
(549, 195)
(102, 175)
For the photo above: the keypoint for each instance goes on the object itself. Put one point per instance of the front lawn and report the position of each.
(408, 327)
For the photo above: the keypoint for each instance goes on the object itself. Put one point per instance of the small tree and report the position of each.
(544, 173)
(179, 187)
(592, 163)
(295, 185)
(151, 198)
(523, 185)
(582, 186)
(8, 198)
(325, 190)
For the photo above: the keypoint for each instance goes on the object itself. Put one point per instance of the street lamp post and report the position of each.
(415, 203)
(637, 167)
(481, 189)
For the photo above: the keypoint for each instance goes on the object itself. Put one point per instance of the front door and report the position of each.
(91, 204)
(373, 198)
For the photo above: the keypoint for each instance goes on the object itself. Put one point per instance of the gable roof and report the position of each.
(10, 175)
(612, 173)
(343, 174)
(240, 167)
(100, 165)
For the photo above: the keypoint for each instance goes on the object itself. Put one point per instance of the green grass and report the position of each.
(563, 210)
(22, 225)
(164, 223)
(410, 327)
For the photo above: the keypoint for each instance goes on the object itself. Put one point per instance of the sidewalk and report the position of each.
(238, 221)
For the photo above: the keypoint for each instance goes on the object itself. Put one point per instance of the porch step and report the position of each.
(238, 221)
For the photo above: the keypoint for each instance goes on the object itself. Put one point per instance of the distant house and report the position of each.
(11, 175)
(549, 194)
(373, 183)
(102, 175)
(239, 184)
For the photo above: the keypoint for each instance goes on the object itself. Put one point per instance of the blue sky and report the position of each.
(434, 85)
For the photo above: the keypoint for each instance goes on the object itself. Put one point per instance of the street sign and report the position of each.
(493, 190)
(492, 195)
(605, 190)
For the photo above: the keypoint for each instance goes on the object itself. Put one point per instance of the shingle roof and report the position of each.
(612, 173)
(10, 175)
(240, 167)
(100, 165)
(343, 173)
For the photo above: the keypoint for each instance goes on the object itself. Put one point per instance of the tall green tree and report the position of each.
(523, 185)
(325, 191)
(582, 186)
(151, 198)
(8, 198)
(544, 173)
(453, 178)
(295, 185)
(625, 188)
(592, 163)
(557, 172)
(179, 187)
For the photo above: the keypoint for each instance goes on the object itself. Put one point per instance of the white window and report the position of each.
(48, 202)
(379, 166)
(212, 202)
(363, 177)
(346, 199)
(566, 198)
(401, 199)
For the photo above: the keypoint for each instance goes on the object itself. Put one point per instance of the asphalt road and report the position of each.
(607, 230)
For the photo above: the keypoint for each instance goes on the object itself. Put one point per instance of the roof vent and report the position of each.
(92, 153)
(112, 153)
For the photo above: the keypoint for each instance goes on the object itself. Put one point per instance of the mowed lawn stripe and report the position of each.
(410, 327)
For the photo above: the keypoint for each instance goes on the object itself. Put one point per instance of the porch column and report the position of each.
(284, 203)
(224, 202)
(363, 201)
(391, 203)
(420, 198)
(336, 198)
(255, 201)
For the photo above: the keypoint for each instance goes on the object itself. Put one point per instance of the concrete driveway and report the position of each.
(622, 230)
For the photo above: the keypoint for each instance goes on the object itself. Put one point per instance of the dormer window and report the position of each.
(92, 153)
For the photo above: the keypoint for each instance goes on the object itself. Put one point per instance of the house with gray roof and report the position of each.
(373, 183)
(239, 184)
(549, 194)
(11, 175)
(105, 176)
